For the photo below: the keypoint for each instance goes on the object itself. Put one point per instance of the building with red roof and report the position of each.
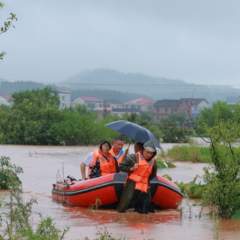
(142, 104)
(141, 100)
(5, 99)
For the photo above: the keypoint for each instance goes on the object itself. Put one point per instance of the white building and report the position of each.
(91, 103)
(5, 99)
(64, 97)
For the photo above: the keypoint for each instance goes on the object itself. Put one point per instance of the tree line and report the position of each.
(34, 118)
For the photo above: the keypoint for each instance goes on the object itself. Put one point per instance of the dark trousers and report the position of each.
(140, 201)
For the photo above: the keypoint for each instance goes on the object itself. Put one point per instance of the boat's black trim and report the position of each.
(89, 189)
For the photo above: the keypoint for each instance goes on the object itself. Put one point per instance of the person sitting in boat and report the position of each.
(141, 168)
(106, 163)
(117, 149)
(89, 161)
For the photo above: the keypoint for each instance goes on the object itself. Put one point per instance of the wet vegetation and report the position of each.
(34, 118)
(15, 217)
(192, 154)
(7, 170)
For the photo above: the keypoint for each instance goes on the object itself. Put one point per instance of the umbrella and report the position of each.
(133, 131)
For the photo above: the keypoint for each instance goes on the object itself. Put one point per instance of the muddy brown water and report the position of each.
(43, 165)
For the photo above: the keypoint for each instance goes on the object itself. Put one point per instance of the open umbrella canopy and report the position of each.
(133, 131)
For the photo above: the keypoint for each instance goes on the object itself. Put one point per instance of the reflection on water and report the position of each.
(41, 164)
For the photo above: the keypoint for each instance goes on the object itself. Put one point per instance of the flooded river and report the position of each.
(42, 166)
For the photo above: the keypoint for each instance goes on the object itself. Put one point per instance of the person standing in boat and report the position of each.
(141, 168)
(89, 161)
(106, 162)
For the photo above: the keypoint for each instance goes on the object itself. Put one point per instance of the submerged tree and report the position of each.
(223, 177)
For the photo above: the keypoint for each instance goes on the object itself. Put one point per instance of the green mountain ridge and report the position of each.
(155, 88)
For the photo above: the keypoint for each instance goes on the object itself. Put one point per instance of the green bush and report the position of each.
(7, 170)
(16, 224)
(190, 154)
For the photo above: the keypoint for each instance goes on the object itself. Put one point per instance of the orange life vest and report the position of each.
(96, 154)
(107, 167)
(120, 159)
(142, 173)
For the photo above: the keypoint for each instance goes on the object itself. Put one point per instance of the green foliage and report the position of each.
(175, 118)
(6, 25)
(236, 215)
(144, 122)
(222, 178)
(37, 97)
(161, 163)
(211, 116)
(8, 170)
(192, 189)
(76, 129)
(189, 154)
(16, 223)
(172, 133)
(32, 119)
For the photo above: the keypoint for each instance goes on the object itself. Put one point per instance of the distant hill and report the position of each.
(155, 88)
(7, 87)
(115, 85)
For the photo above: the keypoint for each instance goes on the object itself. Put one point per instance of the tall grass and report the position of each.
(194, 154)
(189, 154)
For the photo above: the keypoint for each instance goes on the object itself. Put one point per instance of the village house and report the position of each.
(5, 99)
(233, 101)
(91, 103)
(165, 107)
(64, 97)
(197, 104)
(184, 106)
(142, 104)
(112, 103)
(101, 111)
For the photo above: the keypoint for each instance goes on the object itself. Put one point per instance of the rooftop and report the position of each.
(7, 96)
(90, 99)
(141, 100)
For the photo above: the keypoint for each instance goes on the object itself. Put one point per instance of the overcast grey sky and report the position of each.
(197, 41)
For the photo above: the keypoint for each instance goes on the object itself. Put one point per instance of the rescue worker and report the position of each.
(106, 162)
(89, 162)
(141, 168)
(138, 147)
(117, 149)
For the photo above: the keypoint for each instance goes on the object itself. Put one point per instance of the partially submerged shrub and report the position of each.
(190, 154)
(192, 189)
(161, 163)
(8, 170)
(17, 223)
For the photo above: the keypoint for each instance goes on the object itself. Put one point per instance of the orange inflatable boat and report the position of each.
(105, 192)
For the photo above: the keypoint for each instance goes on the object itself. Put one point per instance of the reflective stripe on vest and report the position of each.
(107, 167)
(142, 173)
